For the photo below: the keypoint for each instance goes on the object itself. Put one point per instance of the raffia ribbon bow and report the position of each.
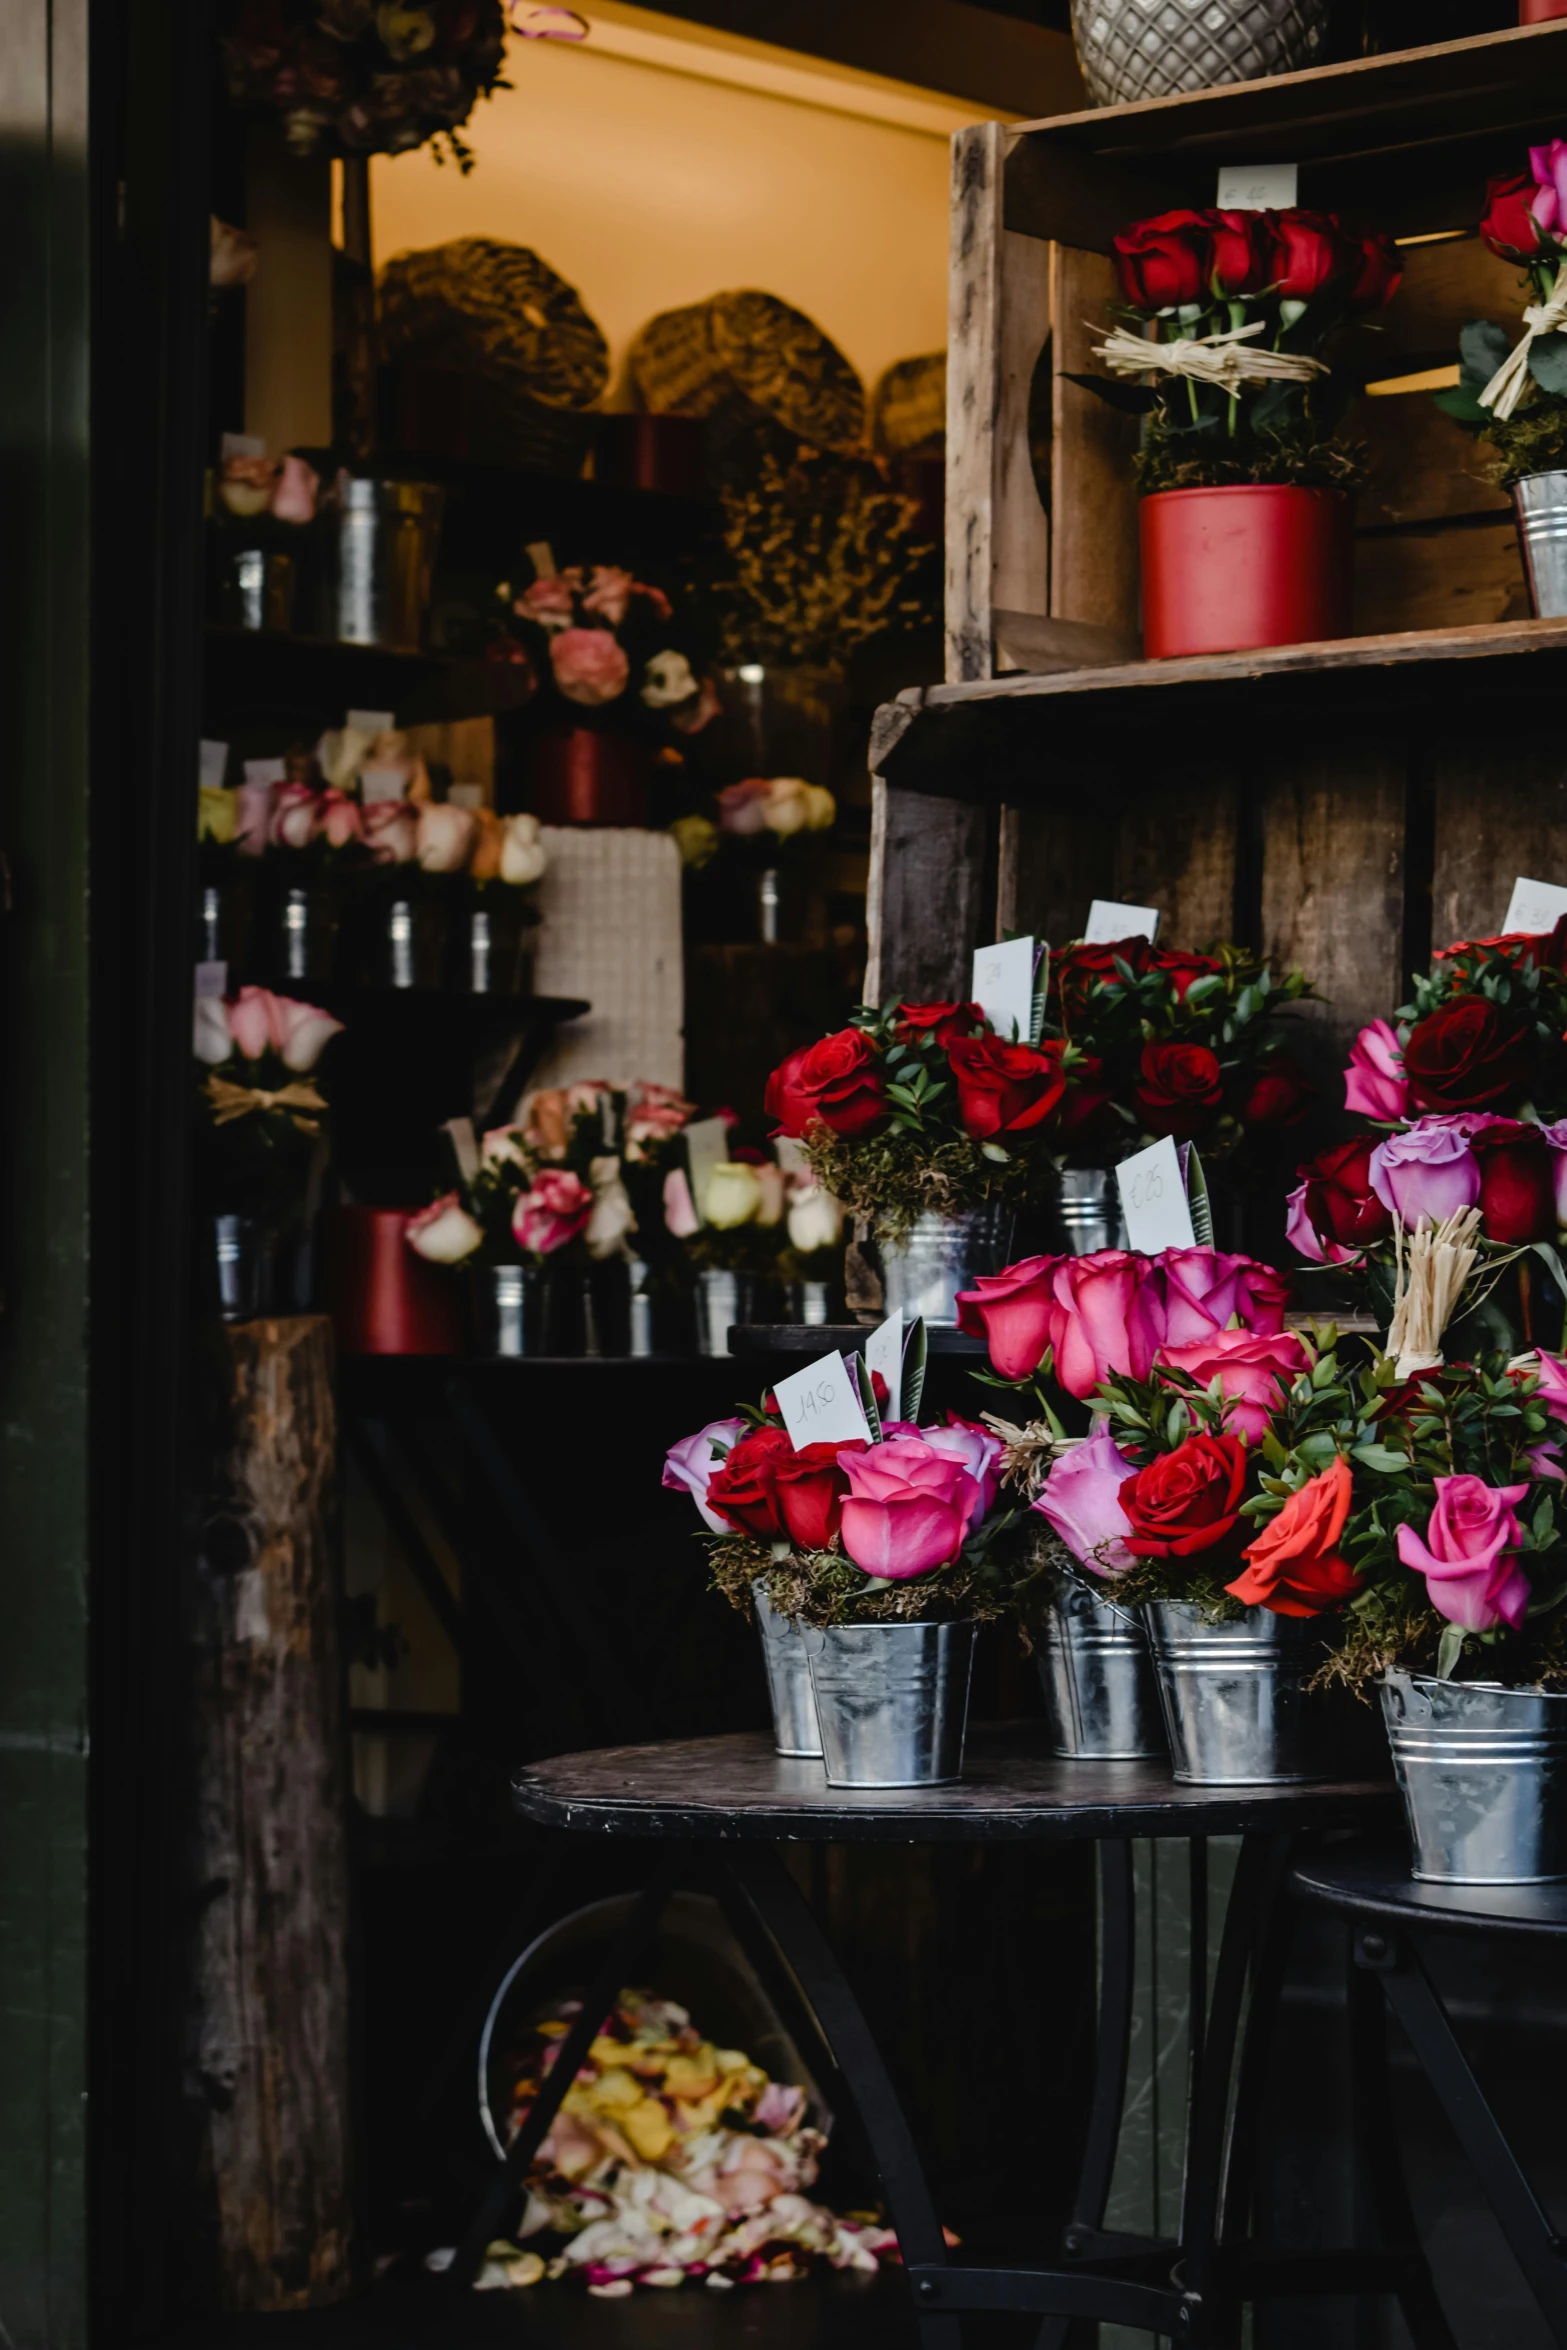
(1227, 360)
(230, 1101)
(1505, 389)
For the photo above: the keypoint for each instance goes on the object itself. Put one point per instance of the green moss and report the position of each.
(1298, 457)
(1532, 440)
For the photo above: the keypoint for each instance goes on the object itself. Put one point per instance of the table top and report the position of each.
(1378, 1885)
(1011, 1791)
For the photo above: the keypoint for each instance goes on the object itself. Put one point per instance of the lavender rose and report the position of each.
(1080, 1502)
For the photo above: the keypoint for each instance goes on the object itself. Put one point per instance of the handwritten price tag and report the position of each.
(1258, 187)
(1004, 987)
(1535, 907)
(1108, 921)
(820, 1405)
(1153, 1200)
(884, 1353)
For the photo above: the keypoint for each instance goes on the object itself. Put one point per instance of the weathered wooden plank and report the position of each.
(1444, 284)
(1052, 863)
(1439, 579)
(1423, 466)
(1500, 813)
(1093, 511)
(1175, 848)
(1333, 876)
(267, 2061)
(931, 897)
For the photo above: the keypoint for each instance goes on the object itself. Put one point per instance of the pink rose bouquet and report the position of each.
(263, 1110)
(609, 642)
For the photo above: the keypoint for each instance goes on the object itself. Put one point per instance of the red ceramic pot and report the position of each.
(582, 775)
(383, 1299)
(1540, 11)
(1255, 563)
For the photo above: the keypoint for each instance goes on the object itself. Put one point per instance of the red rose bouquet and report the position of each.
(1232, 311)
(923, 1108)
(1173, 1043)
(1514, 395)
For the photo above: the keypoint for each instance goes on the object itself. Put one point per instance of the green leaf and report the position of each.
(1198, 1201)
(1202, 991)
(1382, 1459)
(916, 1348)
(866, 1385)
(1449, 1650)
(1482, 346)
(1460, 403)
(1548, 362)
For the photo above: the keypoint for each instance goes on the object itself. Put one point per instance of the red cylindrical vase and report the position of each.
(582, 775)
(1540, 11)
(383, 1299)
(1253, 563)
(642, 452)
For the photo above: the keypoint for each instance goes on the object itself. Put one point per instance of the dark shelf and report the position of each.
(258, 674)
(363, 1003)
(751, 1340)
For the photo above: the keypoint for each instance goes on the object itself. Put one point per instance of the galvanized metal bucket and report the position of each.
(938, 1256)
(1097, 1674)
(722, 1300)
(795, 1727)
(1540, 503)
(1087, 1211)
(1483, 1774)
(892, 1701)
(511, 1309)
(1233, 1694)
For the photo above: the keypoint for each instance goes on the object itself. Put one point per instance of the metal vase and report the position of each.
(892, 1701)
(383, 537)
(1540, 503)
(1483, 1774)
(1131, 49)
(510, 1309)
(1087, 1211)
(722, 1300)
(1097, 1674)
(1233, 1694)
(796, 1731)
(241, 1268)
(938, 1256)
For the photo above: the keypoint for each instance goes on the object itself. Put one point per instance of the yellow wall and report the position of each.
(656, 163)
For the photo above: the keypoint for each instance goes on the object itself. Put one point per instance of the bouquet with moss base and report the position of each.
(262, 1109)
(1172, 1042)
(904, 1525)
(922, 1109)
(1514, 395)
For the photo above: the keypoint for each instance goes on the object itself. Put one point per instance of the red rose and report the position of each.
(1467, 1054)
(945, 1022)
(1241, 254)
(1186, 1501)
(1294, 1566)
(743, 1487)
(1164, 261)
(1178, 1087)
(810, 1489)
(838, 1081)
(1517, 1183)
(1088, 1113)
(1005, 1088)
(1279, 1096)
(1310, 250)
(1377, 279)
(1339, 1199)
(1508, 224)
(1077, 970)
(1182, 966)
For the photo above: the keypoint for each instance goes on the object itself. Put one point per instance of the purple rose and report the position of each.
(689, 1464)
(1469, 1557)
(1428, 1170)
(1080, 1502)
(1374, 1082)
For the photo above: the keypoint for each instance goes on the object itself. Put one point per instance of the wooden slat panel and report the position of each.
(1175, 848)
(1500, 814)
(1093, 509)
(1423, 465)
(930, 900)
(1439, 579)
(1442, 286)
(973, 376)
(1020, 528)
(1052, 863)
(1333, 890)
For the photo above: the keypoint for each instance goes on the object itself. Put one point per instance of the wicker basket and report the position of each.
(909, 407)
(495, 310)
(745, 356)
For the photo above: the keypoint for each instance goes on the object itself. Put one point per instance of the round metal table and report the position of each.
(1385, 1908)
(720, 1807)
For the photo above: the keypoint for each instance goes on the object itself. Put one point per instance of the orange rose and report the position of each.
(1294, 1566)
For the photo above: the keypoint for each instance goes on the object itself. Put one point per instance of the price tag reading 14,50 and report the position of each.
(821, 1404)
(1153, 1200)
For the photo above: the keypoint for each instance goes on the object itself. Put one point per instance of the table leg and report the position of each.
(1376, 2143)
(1409, 1992)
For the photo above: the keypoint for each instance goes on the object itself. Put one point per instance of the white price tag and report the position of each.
(707, 1147)
(1004, 987)
(383, 783)
(1153, 1200)
(243, 444)
(884, 1353)
(1258, 187)
(821, 1405)
(1108, 922)
(370, 721)
(465, 1146)
(1535, 907)
(465, 795)
(261, 772)
(214, 765)
(212, 981)
(789, 1151)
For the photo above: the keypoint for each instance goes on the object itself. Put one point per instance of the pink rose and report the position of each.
(301, 1032)
(253, 817)
(554, 1210)
(1374, 1082)
(680, 1216)
(1549, 165)
(1252, 1368)
(742, 807)
(294, 499)
(253, 1022)
(589, 666)
(548, 602)
(1103, 1320)
(689, 1464)
(609, 593)
(1080, 1500)
(1203, 1289)
(1555, 1139)
(295, 807)
(1469, 1557)
(1304, 1238)
(965, 1441)
(445, 836)
(443, 1233)
(339, 819)
(391, 831)
(908, 1510)
(1553, 1384)
(1428, 1170)
(1012, 1312)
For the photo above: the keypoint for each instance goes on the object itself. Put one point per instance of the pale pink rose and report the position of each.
(253, 817)
(909, 1507)
(303, 1032)
(254, 1022)
(980, 1454)
(443, 1233)
(339, 819)
(1103, 1319)
(554, 1209)
(1253, 1369)
(1469, 1557)
(548, 602)
(689, 1464)
(445, 836)
(391, 831)
(1374, 1082)
(502, 1146)
(742, 807)
(295, 808)
(680, 1216)
(608, 593)
(1203, 1288)
(212, 1041)
(589, 666)
(1080, 1501)
(294, 499)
